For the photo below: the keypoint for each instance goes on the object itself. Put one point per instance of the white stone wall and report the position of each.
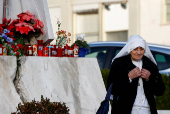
(9, 97)
(76, 81)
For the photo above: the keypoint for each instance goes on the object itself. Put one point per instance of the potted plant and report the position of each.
(83, 46)
(62, 37)
(14, 34)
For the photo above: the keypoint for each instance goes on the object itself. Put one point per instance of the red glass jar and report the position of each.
(45, 51)
(4, 50)
(34, 47)
(76, 50)
(54, 51)
(70, 52)
(29, 51)
(1, 49)
(25, 49)
(49, 50)
(63, 52)
(40, 47)
(66, 50)
(59, 52)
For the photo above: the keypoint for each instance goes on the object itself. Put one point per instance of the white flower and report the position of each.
(80, 37)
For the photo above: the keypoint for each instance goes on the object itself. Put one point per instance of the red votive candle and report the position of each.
(40, 47)
(45, 51)
(29, 51)
(70, 52)
(54, 51)
(59, 52)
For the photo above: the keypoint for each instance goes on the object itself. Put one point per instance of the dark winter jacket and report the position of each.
(125, 92)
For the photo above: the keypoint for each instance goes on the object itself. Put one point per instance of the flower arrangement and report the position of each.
(62, 38)
(83, 46)
(15, 34)
(81, 42)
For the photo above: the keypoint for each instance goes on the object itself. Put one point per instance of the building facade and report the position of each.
(113, 20)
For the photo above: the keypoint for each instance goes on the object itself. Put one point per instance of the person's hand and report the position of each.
(134, 73)
(145, 74)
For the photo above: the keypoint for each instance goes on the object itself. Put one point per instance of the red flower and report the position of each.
(17, 53)
(11, 26)
(20, 46)
(12, 38)
(13, 46)
(9, 34)
(26, 16)
(5, 22)
(24, 27)
(15, 50)
(1, 29)
(39, 25)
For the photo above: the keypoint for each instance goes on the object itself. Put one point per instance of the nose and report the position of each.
(139, 51)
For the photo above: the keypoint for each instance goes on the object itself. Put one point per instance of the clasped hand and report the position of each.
(137, 73)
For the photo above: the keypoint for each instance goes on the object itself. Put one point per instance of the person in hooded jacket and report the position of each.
(136, 79)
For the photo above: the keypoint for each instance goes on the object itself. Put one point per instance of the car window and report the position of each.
(99, 53)
(117, 50)
(163, 60)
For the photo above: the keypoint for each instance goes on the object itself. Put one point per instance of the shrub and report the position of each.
(162, 102)
(43, 107)
(105, 74)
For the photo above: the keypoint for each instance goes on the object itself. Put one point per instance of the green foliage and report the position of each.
(81, 44)
(43, 107)
(162, 102)
(105, 74)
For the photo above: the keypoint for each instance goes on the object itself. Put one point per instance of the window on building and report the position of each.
(87, 23)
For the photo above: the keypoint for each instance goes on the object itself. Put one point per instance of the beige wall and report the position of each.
(117, 36)
(61, 9)
(93, 1)
(146, 18)
(152, 27)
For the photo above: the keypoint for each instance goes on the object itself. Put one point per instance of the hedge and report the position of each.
(162, 102)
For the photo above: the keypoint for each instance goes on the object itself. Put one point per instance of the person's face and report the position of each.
(137, 53)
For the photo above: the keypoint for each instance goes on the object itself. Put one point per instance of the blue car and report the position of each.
(106, 51)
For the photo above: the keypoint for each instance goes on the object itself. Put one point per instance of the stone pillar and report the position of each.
(102, 34)
(134, 17)
(66, 16)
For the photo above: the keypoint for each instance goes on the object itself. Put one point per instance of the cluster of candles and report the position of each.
(51, 50)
